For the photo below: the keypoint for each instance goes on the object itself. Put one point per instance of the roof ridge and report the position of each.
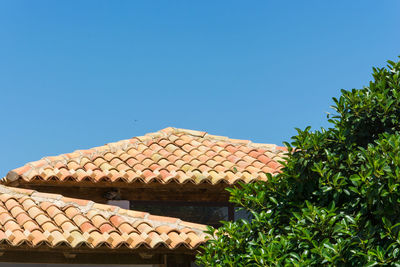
(203, 134)
(106, 210)
(171, 130)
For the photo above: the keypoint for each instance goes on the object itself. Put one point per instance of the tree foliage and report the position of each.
(337, 200)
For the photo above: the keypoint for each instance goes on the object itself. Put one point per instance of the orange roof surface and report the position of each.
(31, 218)
(168, 155)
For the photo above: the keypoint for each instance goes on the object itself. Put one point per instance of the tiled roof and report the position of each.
(168, 155)
(31, 218)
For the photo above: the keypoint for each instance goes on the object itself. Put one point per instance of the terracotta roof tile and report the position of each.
(28, 218)
(168, 155)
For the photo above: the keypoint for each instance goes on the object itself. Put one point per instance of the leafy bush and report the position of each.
(337, 200)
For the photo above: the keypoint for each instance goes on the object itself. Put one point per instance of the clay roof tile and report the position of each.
(177, 148)
(58, 220)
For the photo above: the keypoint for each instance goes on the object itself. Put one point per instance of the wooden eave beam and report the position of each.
(135, 191)
(67, 255)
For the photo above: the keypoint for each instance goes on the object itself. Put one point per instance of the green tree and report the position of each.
(337, 200)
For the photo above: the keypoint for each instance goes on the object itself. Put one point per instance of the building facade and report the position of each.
(144, 200)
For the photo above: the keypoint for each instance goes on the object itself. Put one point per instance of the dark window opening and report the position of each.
(197, 212)
(241, 213)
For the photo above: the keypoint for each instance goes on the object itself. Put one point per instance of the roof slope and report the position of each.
(171, 154)
(31, 218)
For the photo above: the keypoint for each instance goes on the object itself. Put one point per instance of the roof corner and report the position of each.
(11, 177)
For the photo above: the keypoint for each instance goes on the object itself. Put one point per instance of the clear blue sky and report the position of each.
(78, 74)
